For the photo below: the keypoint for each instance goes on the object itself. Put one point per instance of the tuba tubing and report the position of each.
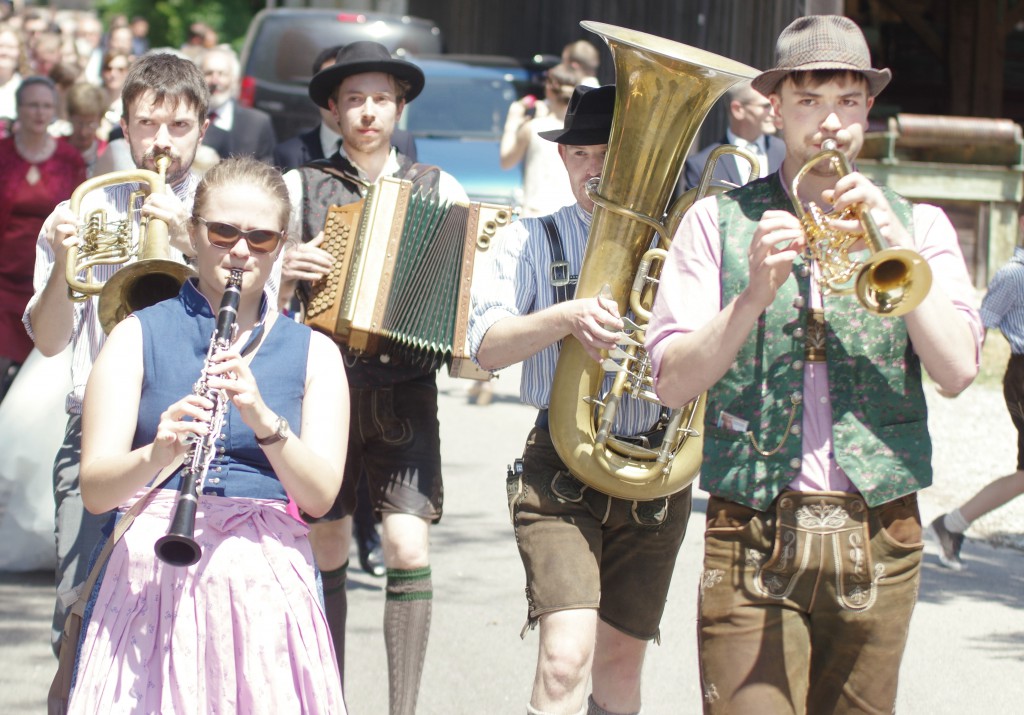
(664, 90)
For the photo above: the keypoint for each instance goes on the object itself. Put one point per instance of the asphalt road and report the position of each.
(965, 653)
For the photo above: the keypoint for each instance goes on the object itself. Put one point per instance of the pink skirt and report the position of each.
(242, 631)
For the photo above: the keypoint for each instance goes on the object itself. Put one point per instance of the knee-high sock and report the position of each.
(406, 628)
(594, 709)
(336, 608)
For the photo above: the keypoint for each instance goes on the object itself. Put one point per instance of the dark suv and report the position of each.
(282, 44)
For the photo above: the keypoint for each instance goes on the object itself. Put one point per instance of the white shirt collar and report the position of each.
(328, 140)
(225, 115)
(391, 166)
(743, 143)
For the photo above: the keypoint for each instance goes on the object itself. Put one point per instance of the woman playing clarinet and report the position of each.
(241, 629)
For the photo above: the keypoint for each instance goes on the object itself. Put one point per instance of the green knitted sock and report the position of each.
(406, 628)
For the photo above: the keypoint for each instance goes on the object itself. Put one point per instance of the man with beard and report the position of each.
(394, 433)
(234, 130)
(165, 101)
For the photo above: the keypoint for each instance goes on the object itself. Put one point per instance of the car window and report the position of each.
(470, 107)
(288, 45)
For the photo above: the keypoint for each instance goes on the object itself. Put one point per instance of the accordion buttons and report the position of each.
(385, 359)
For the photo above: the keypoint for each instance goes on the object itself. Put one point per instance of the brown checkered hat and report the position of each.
(821, 42)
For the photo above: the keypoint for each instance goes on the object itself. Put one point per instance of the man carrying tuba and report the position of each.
(598, 568)
(165, 101)
(815, 437)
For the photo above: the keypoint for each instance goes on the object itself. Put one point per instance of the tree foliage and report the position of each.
(169, 19)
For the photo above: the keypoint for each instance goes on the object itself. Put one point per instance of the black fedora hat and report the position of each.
(360, 57)
(588, 119)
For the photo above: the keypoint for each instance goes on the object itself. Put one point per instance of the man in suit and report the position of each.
(234, 129)
(751, 127)
(323, 140)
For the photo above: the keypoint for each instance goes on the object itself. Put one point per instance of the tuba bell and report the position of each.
(892, 281)
(664, 90)
(153, 277)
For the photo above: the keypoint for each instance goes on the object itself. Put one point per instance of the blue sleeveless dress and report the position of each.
(243, 629)
(175, 337)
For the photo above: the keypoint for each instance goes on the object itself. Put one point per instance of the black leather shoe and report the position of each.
(372, 561)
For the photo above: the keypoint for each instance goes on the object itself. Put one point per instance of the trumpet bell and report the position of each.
(139, 285)
(893, 282)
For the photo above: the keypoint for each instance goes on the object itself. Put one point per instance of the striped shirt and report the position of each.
(515, 281)
(1003, 305)
(87, 336)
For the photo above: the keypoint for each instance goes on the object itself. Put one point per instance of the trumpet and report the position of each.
(178, 547)
(152, 278)
(892, 281)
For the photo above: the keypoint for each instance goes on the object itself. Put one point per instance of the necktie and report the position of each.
(762, 160)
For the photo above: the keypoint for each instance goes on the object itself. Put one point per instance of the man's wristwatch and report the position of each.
(280, 433)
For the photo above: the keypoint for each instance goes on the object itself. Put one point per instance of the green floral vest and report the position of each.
(880, 432)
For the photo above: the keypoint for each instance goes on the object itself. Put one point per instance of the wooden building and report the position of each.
(960, 58)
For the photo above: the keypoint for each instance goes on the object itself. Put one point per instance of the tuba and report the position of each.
(150, 279)
(892, 281)
(664, 90)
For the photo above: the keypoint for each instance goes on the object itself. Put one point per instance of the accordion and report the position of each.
(403, 267)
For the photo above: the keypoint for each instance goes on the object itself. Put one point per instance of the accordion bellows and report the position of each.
(403, 270)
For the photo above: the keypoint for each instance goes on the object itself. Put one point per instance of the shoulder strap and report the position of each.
(559, 266)
(418, 173)
(60, 688)
(119, 530)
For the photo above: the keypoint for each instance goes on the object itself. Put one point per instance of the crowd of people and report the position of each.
(298, 444)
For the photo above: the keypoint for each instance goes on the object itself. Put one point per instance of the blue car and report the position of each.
(458, 120)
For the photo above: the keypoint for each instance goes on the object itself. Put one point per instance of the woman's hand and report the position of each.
(176, 431)
(229, 372)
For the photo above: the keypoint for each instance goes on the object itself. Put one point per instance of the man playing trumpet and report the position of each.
(815, 437)
(165, 101)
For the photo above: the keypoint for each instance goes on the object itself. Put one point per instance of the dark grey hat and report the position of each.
(821, 42)
(588, 119)
(360, 57)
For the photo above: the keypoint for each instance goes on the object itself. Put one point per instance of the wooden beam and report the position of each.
(918, 24)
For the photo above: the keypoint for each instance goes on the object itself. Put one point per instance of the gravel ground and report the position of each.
(974, 442)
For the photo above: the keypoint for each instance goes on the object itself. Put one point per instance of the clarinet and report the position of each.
(177, 547)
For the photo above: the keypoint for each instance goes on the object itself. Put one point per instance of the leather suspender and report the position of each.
(559, 266)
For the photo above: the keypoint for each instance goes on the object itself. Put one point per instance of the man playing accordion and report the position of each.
(394, 432)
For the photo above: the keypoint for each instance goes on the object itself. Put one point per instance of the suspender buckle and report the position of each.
(560, 274)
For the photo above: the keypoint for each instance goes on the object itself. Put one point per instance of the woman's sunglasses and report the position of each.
(226, 235)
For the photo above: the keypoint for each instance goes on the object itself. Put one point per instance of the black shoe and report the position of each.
(949, 543)
(372, 561)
